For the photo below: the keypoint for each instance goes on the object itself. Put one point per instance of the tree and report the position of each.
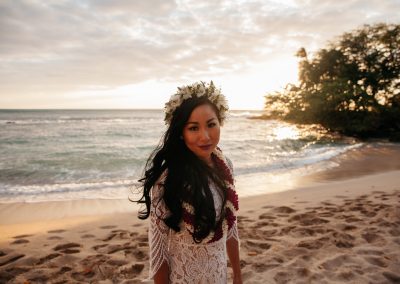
(352, 86)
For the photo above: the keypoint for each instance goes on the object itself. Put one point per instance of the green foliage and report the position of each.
(352, 86)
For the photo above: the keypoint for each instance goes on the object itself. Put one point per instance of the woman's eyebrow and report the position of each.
(195, 122)
(192, 122)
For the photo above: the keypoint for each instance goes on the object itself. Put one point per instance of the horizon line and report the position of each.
(1, 109)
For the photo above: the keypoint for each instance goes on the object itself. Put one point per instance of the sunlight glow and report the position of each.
(286, 132)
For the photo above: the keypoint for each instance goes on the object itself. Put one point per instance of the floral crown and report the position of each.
(198, 89)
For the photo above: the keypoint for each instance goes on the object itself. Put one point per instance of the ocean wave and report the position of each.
(69, 191)
(93, 154)
(297, 160)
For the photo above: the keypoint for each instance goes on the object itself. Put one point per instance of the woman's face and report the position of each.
(201, 132)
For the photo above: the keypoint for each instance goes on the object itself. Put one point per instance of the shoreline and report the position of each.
(332, 227)
(34, 217)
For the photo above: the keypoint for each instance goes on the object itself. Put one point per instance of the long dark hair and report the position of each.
(188, 177)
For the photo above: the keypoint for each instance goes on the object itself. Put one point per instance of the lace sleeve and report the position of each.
(158, 231)
(233, 232)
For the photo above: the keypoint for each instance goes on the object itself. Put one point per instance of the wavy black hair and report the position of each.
(188, 177)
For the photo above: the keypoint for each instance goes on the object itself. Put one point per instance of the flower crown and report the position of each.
(198, 89)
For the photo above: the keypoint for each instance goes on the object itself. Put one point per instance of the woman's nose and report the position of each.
(204, 135)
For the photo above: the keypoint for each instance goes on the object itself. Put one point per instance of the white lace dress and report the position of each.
(188, 262)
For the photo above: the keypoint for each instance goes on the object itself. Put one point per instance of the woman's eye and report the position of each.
(193, 128)
(211, 124)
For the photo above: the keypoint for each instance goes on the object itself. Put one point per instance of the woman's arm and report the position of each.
(161, 276)
(232, 247)
(158, 237)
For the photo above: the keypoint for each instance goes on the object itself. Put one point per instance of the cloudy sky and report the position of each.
(133, 54)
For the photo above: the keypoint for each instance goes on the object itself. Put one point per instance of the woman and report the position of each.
(189, 193)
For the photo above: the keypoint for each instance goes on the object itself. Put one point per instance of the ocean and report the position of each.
(51, 155)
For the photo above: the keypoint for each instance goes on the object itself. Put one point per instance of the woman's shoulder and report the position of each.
(219, 153)
(229, 162)
(158, 188)
(162, 177)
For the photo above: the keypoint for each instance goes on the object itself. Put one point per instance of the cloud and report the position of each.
(59, 46)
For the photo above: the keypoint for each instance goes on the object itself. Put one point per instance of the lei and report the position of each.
(198, 89)
(231, 206)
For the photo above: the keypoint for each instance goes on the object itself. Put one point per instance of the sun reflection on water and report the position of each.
(286, 132)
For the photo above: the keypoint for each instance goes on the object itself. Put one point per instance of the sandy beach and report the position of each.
(338, 226)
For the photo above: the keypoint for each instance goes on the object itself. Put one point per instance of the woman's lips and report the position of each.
(205, 147)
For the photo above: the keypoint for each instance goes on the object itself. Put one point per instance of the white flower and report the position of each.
(185, 91)
(186, 96)
(175, 98)
(200, 91)
(214, 98)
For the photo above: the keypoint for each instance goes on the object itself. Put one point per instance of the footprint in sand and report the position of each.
(326, 214)
(301, 202)
(262, 267)
(99, 247)
(257, 244)
(63, 270)
(68, 248)
(369, 252)
(313, 244)
(133, 271)
(340, 196)
(392, 277)
(307, 231)
(307, 219)
(140, 255)
(264, 207)
(282, 277)
(37, 276)
(56, 231)
(342, 240)
(108, 227)
(57, 238)
(286, 230)
(142, 238)
(353, 219)
(137, 268)
(87, 236)
(377, 261)
(10, 258)
(11, 273)
(283, 209)
(110, 249)
(269, 233)
(117, 262)
(394, 232)
(20, 241)
(22, 236)
(267, 216)
(47, 258)
(337, 262)
(346, 227)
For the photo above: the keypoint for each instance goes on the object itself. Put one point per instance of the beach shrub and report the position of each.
(352, 86)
